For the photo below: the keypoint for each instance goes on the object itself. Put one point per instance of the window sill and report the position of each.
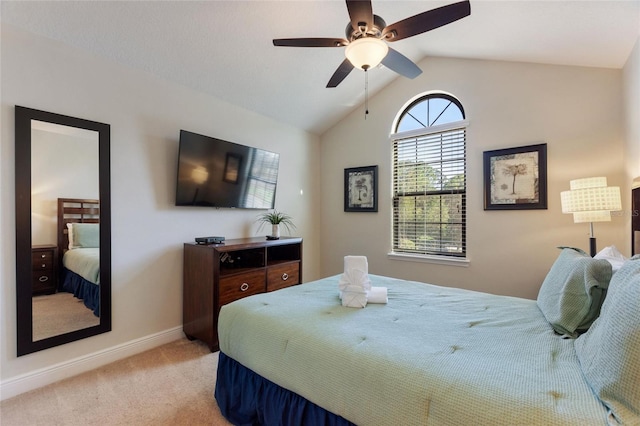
(425, 258)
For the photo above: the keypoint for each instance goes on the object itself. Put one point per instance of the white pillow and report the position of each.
(613, 256)
(70, 235)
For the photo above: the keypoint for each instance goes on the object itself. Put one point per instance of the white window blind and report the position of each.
(263, 175)
(429, 192)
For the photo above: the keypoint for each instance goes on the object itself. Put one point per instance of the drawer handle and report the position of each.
(285, 276)
(244, 287)
(43, 255)
(43, 266)
(43, 279)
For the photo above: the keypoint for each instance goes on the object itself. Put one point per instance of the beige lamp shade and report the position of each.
(591, 200)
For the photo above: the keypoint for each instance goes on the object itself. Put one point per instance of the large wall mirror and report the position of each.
(63, 229)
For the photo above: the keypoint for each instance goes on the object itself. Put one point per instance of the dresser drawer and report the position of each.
(43, 282)
(239, 286)
(282, 276)
(42, 260)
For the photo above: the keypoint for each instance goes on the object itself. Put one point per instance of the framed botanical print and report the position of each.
(361, 189)
(516, 178)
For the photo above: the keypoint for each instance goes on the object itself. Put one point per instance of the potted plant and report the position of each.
(275, 219)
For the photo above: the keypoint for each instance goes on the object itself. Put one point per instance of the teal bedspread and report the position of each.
(432, 355)
(84, 262)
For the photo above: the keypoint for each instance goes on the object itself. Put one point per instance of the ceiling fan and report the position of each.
(367, 34)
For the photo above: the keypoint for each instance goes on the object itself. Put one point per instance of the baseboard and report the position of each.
(36, 379)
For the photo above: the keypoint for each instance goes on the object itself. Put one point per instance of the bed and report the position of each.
(79, 243)
(437, 355)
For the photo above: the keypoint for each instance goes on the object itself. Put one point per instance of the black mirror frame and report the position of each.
(23, 117)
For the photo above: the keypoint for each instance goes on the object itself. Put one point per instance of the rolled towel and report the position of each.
(377, 295)
(354, 297)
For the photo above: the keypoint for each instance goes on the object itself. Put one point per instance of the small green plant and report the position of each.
(276, 218)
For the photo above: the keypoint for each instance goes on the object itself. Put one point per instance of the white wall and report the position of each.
(49, 181)
(577, 111)
(146, 115)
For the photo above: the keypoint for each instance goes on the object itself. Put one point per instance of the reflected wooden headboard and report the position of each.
(74, 210)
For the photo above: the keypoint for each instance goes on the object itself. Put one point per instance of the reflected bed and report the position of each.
(79, 243)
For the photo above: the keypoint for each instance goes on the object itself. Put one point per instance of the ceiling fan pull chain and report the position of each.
(366, 94)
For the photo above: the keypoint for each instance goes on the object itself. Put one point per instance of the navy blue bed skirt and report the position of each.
(246, 398)
(82, 289)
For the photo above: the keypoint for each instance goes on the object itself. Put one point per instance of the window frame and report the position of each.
(439, 257)
(424, 98)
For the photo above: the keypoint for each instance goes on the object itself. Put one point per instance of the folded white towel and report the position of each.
(356, 262)
(356, 272)
(354, 297)
(377, 295)
(354, 283)
(354, 277)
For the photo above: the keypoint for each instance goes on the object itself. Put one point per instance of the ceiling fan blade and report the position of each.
(427, 21)
(341, 73)
(361, 13)
(399, 63)
(310, 42)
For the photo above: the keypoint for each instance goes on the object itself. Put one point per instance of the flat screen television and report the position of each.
(217, 173)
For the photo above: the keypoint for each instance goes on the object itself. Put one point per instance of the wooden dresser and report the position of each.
(217, 274)
(44, 262)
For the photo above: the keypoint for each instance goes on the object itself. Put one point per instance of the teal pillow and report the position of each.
(84, 235)
(609, 353)
(573, 291)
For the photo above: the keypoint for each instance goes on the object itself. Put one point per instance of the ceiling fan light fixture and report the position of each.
(367, 34)
(366, 52)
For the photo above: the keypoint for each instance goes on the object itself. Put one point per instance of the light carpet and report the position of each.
(169, 385)
(60, 313)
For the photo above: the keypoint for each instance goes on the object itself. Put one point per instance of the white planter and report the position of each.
(275, 231)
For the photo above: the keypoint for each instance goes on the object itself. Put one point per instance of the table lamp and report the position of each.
(591, 200)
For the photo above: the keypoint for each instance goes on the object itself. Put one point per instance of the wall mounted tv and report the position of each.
(216, 173)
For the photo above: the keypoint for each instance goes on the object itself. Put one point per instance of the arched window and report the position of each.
(429, 111)
(429, 177)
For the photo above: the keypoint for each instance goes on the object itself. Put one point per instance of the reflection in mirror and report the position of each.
(62, 301)
(62, 229)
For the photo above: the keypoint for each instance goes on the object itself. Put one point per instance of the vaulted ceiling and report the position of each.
(224, 48)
